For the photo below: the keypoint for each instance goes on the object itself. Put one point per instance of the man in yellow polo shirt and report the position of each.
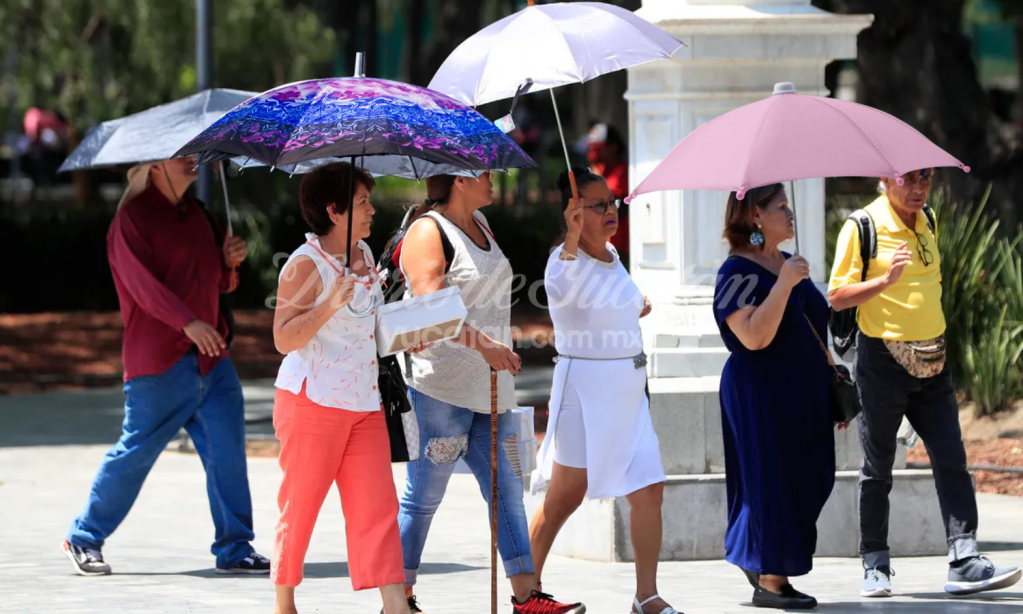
(900, 371)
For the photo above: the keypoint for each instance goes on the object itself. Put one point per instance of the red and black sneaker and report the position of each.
(542, 603)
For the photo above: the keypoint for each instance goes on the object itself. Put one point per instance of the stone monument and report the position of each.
(737, 50)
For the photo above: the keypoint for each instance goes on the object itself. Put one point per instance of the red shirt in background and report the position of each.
(168, 267)
(617, 177)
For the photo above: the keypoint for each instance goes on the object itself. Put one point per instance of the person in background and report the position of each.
(601, 438)
(327, 411)
(450, 384)
(606, 155)
(170, 264)
(775, 399)
(901, 371)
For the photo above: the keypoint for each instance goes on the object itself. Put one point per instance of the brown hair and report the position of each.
(325, 186)
(739, 213)
(438, 191)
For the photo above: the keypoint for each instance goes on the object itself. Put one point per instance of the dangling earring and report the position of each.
(757, 238)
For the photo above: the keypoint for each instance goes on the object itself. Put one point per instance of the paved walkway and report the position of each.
(51, 445)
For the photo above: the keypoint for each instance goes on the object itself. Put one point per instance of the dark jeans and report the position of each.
(887, 392)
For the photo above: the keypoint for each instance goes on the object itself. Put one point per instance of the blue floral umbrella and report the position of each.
(403, 130)
(392, 128)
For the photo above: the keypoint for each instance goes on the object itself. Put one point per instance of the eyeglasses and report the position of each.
(921, 249)
(601, 207)
(920, 176)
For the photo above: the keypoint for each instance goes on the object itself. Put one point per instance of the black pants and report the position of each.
(887, 393)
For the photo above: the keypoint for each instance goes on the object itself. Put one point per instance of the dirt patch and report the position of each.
(1007, 424)
(1002, 452)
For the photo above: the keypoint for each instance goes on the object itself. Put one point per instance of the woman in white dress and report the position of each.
(600, 438)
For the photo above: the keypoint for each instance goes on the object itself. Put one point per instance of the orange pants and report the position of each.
(321, 445)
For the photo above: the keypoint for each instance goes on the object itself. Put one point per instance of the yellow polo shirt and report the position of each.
(910, 310)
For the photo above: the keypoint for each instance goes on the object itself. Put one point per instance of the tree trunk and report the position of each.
(914, 62)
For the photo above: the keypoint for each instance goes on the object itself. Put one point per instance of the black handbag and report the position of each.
(845, 403)
(402, 424)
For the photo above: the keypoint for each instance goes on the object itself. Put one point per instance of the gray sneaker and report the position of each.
(978, 574)
(877, 582)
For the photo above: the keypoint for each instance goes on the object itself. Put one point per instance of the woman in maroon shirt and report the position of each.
(170, 264)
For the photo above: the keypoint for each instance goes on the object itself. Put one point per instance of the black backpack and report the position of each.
(390, 383)
(843, 323)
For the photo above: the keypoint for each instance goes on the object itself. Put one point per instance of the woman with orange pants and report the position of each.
(327, 408)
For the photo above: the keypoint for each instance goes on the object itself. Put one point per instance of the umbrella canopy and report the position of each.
(353, 117)
(154, 134)
(788, 137)
(394, 166)
(552, 45)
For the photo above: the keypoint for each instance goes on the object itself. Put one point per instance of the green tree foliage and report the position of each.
(94, 60)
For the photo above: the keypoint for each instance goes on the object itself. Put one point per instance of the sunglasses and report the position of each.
(601, 207)
(921, 249)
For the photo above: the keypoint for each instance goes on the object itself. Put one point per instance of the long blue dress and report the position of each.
(778, 434)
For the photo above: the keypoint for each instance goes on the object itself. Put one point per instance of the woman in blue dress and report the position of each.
(775, 400)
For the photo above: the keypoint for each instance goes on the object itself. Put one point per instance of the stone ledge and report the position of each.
(694, 518)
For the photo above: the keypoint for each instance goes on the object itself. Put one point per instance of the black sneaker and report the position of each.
(252, 564)
(87, 561)
(978, 574)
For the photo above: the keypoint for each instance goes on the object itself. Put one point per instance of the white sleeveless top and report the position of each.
(595, 306)
(339, 364)
(451, 372)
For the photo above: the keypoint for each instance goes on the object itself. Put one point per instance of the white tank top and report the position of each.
(451, 372)
(339, 364)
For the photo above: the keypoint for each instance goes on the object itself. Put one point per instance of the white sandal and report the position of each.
(639, 606)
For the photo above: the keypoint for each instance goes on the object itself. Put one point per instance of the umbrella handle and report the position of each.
(493, 491)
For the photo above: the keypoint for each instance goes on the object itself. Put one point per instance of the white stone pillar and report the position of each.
(737, 50)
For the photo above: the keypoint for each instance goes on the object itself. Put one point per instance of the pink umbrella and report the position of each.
(788, 137)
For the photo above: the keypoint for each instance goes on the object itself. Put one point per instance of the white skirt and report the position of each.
(600, 420)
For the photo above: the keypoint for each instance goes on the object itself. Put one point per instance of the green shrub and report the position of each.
(982, 280)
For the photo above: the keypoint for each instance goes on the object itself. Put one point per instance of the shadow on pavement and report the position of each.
(340, 570)
(948, 605)
(1000, 546)
(61, 418)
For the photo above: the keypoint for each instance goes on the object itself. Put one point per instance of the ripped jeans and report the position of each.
(447, 433)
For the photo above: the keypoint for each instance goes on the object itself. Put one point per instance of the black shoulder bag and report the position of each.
(845, 404)
(390, 383)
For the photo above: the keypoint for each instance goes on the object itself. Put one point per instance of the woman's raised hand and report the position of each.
(574, 217)
(342, 291)
(795, 270)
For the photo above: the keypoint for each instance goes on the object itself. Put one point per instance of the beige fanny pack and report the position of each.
(920, 358)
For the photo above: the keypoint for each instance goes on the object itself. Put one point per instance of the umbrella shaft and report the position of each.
(561, 132)
(227, 203)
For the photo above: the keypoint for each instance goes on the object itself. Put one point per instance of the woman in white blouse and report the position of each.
(600, 438)
(327, 407)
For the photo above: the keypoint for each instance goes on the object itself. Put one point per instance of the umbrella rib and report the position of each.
(578, 71)
(752, 147)
(652, 41)
(413, 164)
(858, 129)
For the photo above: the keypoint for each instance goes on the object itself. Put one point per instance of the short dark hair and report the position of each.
(326, 186)
(739, 213)
(583, 178)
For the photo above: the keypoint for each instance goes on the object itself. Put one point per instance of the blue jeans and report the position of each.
(212, 411)
(447, 433)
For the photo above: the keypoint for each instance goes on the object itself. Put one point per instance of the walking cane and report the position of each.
(493, 491)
